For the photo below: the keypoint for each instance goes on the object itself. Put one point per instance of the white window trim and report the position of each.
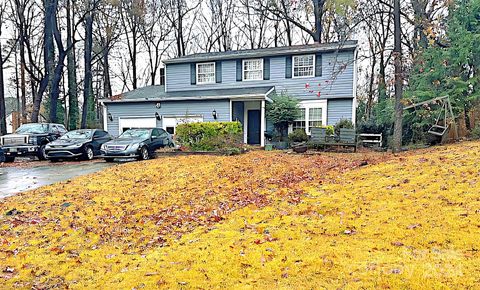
(293, 66)
(214, 73)
(312, 104)
(243, 69)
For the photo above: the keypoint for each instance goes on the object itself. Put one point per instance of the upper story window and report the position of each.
(252, 69)
(303, 66)
(206, 73)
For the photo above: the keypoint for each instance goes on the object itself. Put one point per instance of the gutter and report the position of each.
(245, 96)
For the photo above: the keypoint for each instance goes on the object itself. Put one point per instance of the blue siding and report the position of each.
(177, 108)
(339, 109)
(336, 81)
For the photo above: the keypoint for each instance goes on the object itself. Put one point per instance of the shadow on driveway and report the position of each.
(18, 179)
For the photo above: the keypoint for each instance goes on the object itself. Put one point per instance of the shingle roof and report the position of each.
(157, 93)
(261, 52)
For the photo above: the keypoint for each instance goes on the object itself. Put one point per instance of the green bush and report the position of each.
(210, 136)
(298, 135)
(476, 131)
(281, 112)
(330, 130)
(344, 124)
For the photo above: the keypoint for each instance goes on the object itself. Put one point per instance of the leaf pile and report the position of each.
(257, 220)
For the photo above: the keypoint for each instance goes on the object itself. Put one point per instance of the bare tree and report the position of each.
(178, 12)
(132, 13)
(254, 24)
(397, 133)
(377, 22)
(73, 114)
(88, 111)
(297, 13)
(154, 34)
(107, 32)
(216, 25)
(3, 113)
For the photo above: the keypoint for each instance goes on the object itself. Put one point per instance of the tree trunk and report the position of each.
(3, 113)
(107, 85)
(180, 41)
(382, 87)
(55, 88)
(73, 109)
(48, 54)
(397, 50)
(55, 72)
(87, 83)
(318, 6)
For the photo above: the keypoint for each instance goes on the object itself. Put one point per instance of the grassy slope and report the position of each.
(258, 220)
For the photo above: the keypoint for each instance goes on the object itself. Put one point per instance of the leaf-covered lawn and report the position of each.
(258, 220)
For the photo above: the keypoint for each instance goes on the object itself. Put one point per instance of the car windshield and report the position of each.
(135, 133)
(32, 129)
(78, 134)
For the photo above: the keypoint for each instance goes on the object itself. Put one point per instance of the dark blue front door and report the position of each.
(253, 133)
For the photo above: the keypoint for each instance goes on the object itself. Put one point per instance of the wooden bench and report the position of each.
(318, 136)
(346, 138)
(368, 139)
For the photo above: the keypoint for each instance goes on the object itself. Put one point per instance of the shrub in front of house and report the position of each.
(282, 112)
(329, 130)
(298, 136)
(224, 137)
(343, 124)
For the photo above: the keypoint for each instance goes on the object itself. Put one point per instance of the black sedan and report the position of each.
(137, 143)
(84, 143)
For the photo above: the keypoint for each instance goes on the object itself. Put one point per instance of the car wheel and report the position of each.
(144, 155)
(109, 160)
(88, 154)
(41, 153)
(9, 159)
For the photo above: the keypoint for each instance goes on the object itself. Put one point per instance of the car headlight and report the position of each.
(74, 146)
(103, 147)
(32, 140)
(134, 146)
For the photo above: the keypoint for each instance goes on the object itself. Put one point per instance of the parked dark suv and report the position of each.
(30, 140)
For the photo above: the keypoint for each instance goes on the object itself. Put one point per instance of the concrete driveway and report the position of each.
(18, 178)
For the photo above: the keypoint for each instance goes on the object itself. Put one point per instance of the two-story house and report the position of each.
(236, 85)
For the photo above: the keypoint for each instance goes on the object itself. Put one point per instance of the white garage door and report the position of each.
(131, 123)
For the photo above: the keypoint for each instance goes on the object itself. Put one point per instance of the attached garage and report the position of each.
(135, 123)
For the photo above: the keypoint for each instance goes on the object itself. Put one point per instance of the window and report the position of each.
(62, 129)
(163, 134)
(303, 66)
(205, 73)
(252, 69)
(100, 134)
(155, 133)
(299, 123)
(314, 117)
(171, 130)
